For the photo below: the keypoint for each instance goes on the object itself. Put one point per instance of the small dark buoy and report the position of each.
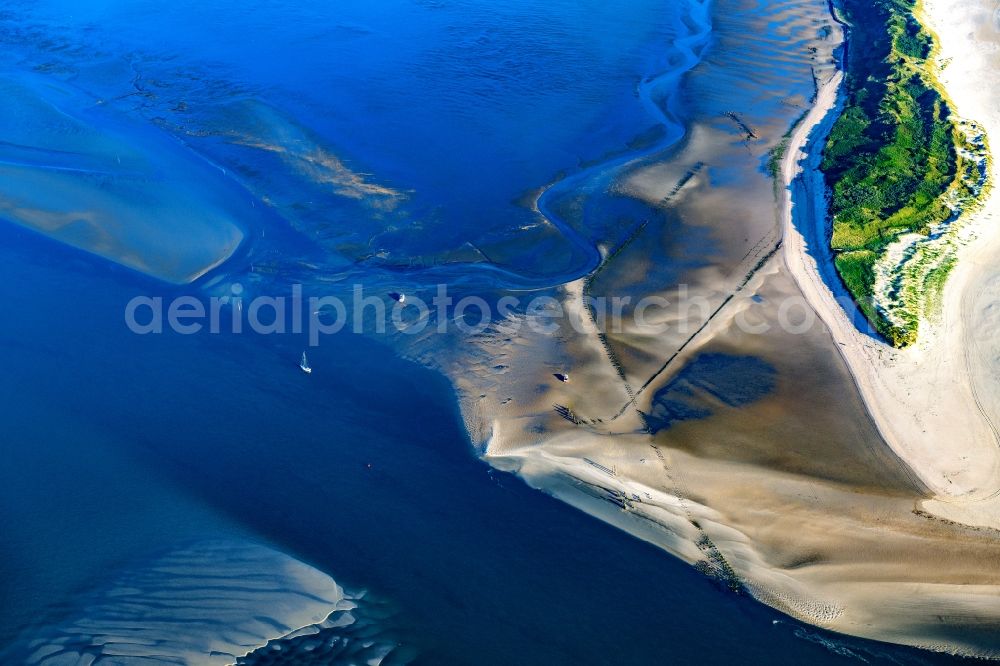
(398, 297)
(561, 377)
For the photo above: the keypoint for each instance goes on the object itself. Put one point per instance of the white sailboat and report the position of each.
(305, 364)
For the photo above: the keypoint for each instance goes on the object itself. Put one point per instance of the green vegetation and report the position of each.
(893, 161)
(775, 156)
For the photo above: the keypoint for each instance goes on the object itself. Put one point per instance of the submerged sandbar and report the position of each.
(79, 172)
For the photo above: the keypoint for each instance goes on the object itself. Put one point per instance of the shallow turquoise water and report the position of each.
(119, 446)
(379, 133)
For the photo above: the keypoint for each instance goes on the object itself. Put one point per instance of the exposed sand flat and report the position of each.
(933, 403)
(747, 452)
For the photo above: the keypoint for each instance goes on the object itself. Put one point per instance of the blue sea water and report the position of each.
(378, 132)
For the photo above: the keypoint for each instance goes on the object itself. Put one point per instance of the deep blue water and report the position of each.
(116, 446)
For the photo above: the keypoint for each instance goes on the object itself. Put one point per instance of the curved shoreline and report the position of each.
(921, 399)
(797, 501)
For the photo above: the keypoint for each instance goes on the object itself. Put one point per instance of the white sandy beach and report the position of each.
(854, 496)
(937, 404)
(969, 35)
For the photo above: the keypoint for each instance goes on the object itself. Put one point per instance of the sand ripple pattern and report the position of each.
(210, 603)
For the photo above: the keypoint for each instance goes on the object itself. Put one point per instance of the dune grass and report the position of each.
(892, 157)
